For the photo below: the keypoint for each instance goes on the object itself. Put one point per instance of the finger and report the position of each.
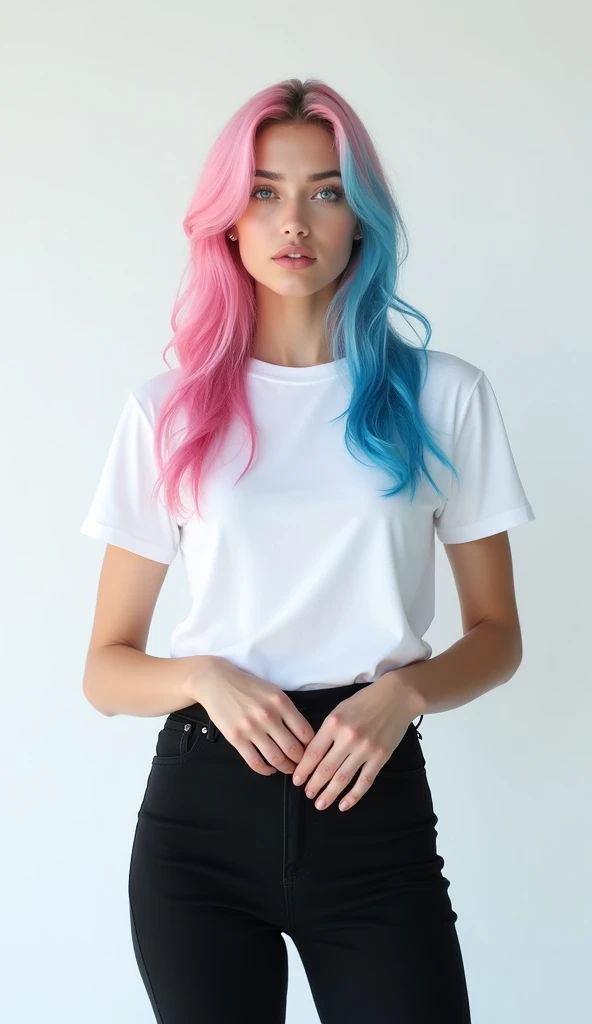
(293, 733)
(287, 742)
(335, 763)
(299, 725)
(282, 740)
(361, 787)
(273, 752)
(252, 756)
(293, 718)
(314, 753)
(339, 780)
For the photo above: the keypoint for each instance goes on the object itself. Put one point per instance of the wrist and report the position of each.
(405, 691)
(199, 676)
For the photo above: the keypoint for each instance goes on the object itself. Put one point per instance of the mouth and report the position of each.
(294, 262)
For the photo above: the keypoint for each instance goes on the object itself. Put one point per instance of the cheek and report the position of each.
(253, 231)
(255, 245)
(338, 237)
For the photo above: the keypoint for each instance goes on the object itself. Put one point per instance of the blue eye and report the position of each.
(337, 193)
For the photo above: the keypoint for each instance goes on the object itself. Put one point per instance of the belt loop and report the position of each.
(213, 731)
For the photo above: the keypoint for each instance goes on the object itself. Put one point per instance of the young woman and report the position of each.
(308, 455)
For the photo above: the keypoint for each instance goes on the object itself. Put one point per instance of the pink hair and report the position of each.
(214, 318)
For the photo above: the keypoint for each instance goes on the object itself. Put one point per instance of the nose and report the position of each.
(294, 223)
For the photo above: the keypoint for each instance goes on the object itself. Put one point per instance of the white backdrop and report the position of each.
(481, 114)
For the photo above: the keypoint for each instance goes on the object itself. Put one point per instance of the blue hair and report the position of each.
(384, 420)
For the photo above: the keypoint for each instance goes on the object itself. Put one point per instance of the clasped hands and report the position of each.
(364, 729)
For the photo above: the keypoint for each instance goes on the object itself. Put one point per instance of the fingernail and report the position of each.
(296, 780)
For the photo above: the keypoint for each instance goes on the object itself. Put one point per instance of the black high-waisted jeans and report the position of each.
(224, 860)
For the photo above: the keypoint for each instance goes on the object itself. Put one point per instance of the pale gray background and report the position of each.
(481, 113)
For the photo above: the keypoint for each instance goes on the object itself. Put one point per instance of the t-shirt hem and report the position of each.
(122, 539)
(487, 527)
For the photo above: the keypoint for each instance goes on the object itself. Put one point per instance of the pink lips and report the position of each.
(297, 250)
(294, 264)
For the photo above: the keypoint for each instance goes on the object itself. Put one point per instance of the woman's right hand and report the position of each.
(256, 716)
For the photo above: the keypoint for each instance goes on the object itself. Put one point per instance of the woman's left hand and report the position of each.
(363, 730)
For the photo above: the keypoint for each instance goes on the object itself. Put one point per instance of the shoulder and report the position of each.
(150, 395)
(446, 371)
(450, 382)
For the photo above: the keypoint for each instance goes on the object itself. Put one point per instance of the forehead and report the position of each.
(296, 151)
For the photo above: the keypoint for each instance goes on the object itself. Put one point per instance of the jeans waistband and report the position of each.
(322, 700)
(325, 698)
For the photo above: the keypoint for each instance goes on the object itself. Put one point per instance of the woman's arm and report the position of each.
(119, 677)
(490, 651)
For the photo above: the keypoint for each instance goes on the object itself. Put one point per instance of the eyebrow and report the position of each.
(318, 176)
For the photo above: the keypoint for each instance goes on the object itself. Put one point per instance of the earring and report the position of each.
(232, 238)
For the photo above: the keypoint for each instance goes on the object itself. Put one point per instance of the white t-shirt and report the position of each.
(303, 573)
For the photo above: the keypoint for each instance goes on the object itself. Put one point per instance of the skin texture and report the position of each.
(291, 305)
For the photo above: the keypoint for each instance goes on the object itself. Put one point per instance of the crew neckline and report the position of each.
(319, 371)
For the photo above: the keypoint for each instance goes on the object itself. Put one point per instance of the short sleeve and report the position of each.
(122, 511)
(489, 497)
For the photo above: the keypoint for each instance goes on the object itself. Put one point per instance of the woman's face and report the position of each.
(296, 211)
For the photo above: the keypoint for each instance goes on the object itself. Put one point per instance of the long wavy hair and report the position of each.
(214, 315)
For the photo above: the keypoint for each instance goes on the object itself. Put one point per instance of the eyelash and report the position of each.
(327, 188)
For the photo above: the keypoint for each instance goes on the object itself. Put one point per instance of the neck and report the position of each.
(290, 329)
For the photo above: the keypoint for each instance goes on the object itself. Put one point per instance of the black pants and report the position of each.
(224, 860)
